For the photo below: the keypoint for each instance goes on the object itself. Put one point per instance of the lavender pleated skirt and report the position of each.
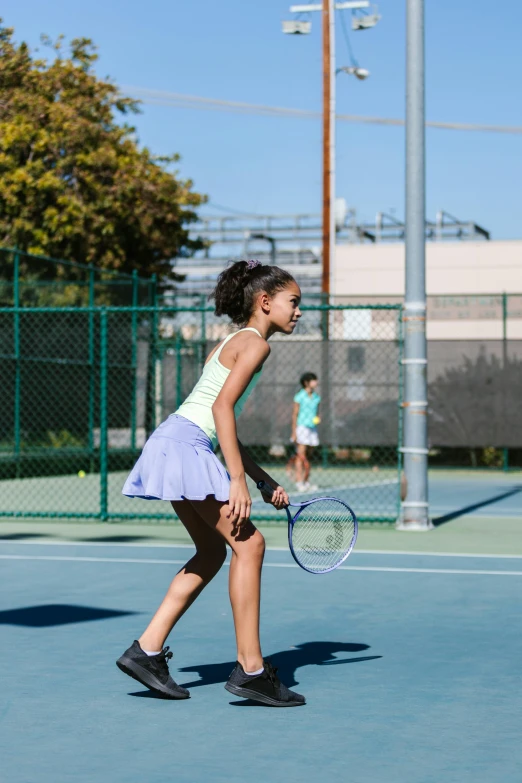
(178, 463)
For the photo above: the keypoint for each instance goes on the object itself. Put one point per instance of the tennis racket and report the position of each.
(321, 532)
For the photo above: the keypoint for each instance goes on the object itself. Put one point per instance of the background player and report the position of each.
(305, 418)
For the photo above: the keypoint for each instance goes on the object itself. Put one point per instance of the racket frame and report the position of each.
(267, 490)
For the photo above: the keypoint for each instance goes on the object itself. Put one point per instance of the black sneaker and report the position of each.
(265, 687)
(152, 671)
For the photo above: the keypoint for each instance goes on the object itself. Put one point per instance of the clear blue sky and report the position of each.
(235, 50)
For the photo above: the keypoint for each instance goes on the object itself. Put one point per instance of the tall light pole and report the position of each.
(327, 8)
(414, 513)
(328, 27)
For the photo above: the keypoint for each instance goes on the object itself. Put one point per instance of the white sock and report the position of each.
(149, 652)
(255, 674)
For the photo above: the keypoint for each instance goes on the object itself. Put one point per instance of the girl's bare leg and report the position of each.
(301, 463)
(248, 549)
(307, 466)
(188, 583)
(290, 468)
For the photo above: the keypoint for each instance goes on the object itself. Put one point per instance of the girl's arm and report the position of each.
(246, 364)
(295, 414)
(258, 474)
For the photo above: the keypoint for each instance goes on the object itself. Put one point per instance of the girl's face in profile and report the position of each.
(284, 308)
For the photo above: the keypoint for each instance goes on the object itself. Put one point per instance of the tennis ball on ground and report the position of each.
(317, 419)
(81, 474)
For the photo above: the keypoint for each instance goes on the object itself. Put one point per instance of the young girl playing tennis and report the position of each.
(178, 464)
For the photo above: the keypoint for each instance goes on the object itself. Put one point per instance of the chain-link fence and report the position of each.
(450, 316)
(474, 378)
(28, 280)
(83, 387)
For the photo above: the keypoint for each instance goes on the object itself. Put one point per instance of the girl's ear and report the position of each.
(264, 302)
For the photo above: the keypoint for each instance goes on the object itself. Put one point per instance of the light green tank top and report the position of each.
(198, 405)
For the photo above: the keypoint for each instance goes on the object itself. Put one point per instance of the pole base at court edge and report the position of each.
(414, 526)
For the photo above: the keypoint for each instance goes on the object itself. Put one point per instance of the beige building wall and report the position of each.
(468, 279)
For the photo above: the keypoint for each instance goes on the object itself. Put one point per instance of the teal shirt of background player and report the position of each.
(308, 405)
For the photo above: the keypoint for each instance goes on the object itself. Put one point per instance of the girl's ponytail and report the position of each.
(238, 285)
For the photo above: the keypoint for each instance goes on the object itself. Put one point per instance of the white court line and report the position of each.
(432, 554)
(160, 545)
(502, 516)
(150, 561)
(59, 542)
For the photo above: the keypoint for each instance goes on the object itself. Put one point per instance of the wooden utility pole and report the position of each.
(327, 9)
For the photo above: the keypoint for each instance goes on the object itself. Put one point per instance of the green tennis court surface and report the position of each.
(374, 495)
(374, 492)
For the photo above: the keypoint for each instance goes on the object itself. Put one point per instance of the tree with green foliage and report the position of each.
(74, 182)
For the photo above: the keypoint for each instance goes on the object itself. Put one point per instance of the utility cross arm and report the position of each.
(299, 9)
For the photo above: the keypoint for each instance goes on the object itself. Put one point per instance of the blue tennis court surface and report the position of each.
(410, 665)
(459, 494)
(452, 495)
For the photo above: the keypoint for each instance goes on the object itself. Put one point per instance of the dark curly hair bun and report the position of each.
(238, 285)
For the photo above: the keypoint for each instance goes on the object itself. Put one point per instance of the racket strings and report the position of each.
(323, 534)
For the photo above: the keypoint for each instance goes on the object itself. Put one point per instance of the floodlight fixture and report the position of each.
(296, 27)
(361, 73)
(354, 70)
(365, 21)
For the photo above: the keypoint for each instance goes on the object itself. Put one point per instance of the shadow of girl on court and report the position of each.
(287, 662)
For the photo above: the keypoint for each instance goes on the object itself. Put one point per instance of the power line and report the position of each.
(347, 40)
(180, 101)
(231, 210)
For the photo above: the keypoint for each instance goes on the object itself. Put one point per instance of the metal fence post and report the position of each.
(414, 510)
(179, 388)
(134, 355)
(400, 419)
(151, 382)
(505, 450)
(103, 417)
(153, 289)
(203, 341)
(92, 382)
(325, 381)
(18, 369)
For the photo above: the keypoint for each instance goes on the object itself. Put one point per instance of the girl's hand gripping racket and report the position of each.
(321, 533)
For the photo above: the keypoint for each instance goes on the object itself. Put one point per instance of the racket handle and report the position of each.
(265, 488)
